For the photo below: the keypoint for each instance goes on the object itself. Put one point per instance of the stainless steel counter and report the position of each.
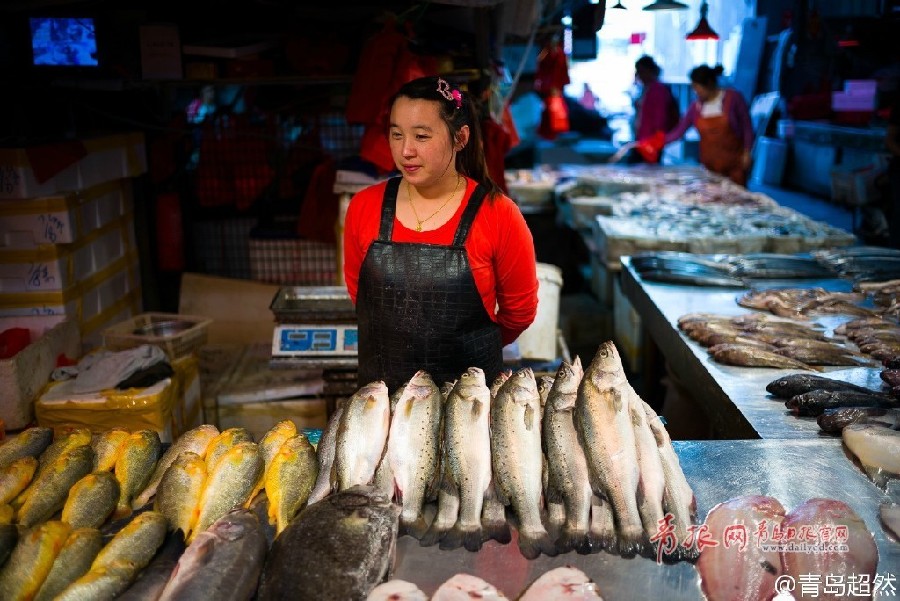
(790, 470)
(734, 398)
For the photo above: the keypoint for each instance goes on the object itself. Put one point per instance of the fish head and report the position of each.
(522, 387)
(544, 386)
(606, 365)
(421, 385)
(473, 376)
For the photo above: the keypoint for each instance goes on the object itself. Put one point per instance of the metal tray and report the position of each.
(295, 304)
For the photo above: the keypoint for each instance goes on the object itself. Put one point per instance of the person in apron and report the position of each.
(722, 119)
(439, 263)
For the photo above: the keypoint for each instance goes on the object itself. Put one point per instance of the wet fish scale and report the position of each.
(91, 500)
(134, 467)
(49, 491)
(229, 484)
(136, 543)
(179, 491)
(28, 443)
(195, 440)
(101, 584)
(74, 560)
(31, 560)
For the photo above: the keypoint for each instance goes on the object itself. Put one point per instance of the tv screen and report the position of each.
(64, 42)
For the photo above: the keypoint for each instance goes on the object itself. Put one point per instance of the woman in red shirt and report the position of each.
(439, 263)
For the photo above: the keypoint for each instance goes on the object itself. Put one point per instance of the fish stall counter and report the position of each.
(792, 471)
(734, 398)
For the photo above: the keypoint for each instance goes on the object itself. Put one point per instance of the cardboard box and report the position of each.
(170, 407)
(62, 218)
(70, 165)
(23, 376)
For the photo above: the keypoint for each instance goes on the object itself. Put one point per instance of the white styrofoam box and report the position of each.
(62, 218)
(24, 375)
(844, 101)
(106, 293)
(86, 163)
(61, 266)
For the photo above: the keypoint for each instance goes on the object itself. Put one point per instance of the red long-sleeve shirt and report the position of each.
(500, 249)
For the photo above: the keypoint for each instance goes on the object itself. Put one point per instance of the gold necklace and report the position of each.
(420, 222)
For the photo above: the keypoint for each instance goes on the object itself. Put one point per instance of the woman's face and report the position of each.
(704, 93)
(420, 141)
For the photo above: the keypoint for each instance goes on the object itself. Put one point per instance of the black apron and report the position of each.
(418, 307)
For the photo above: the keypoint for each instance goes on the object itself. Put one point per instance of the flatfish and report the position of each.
(338, 548)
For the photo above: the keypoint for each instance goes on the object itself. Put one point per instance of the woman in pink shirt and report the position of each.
(657, 109)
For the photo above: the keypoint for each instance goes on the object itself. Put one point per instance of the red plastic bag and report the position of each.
(554, 118)
(13, 340)
(650, 148)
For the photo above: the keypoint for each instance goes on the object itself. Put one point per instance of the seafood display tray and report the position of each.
(734, 399)
(792, 471)
(306, 304)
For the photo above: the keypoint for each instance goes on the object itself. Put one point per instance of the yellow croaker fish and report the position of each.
(72, 562)
(49, 490)
(28, 443)
(229, 485)
(603, 422)
(104, 582)
(195, 440)
(290, 479)
(134, 467)
(15, 477)
(272, 440)
(75, 437)
(137, 542)
(224, 441)
(91, 500)
(7, 514)
(178, 494)
(30, 562)
(106, 447)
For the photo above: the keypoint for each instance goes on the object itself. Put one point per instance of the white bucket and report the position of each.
(538, 341)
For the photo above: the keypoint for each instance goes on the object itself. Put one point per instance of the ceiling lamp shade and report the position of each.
(663, 5)
(703, 31)
(619, 5)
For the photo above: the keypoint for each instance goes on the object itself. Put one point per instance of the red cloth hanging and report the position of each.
(497, 143)
(319, 211)
(554, 117)
(552, 73)
(371, 86)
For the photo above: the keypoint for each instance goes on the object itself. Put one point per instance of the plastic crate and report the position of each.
(159, 329)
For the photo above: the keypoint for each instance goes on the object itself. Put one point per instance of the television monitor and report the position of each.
(63, 42)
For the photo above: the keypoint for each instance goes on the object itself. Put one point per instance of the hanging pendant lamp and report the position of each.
(663, 5)
(619, 5)
(703, 31)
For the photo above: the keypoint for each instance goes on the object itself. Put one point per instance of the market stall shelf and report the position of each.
(734, 398)
(791, 471)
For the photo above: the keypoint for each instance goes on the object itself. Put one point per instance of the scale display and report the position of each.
(292, 340)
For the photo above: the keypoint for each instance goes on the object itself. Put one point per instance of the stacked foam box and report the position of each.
(68, 253)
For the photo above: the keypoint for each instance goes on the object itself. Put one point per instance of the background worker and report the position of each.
(723, 121)
(440, 264)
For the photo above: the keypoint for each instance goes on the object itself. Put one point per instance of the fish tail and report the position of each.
(123, 510)
(573, 539)
(498, 531)
(603, 541)
(415, 528)
(432, 536)
(631, 542)
(531, 545)
(453, 538)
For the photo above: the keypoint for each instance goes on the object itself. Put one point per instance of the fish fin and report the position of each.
(631, 543)
(415, 528)
(571, 539)
(456, 537)
(432, 536)
(498, 531)
(531, 546)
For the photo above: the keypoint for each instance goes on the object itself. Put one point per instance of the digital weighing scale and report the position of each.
(316, 325)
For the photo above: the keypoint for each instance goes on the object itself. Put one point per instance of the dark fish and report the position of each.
(223, 563)
(691, 279)
(892, 362)
(833, 420)
(891, 376)
(338, 548)
(815, 402)
(152, 579)
(791, 385)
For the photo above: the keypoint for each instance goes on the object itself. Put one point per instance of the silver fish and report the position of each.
(362, 435)
(413, 449)
(568, 478)
(517, 460)
(354, 557)
(325, 457)
(603, 422)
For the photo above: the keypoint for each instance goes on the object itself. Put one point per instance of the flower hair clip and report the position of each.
(453, 95)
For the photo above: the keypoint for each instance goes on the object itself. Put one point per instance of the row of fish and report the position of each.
(802, 303)
(761, 340)
(818, 537)
(876, 337)
(563, 583)
(867, 420)
(593, 470)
